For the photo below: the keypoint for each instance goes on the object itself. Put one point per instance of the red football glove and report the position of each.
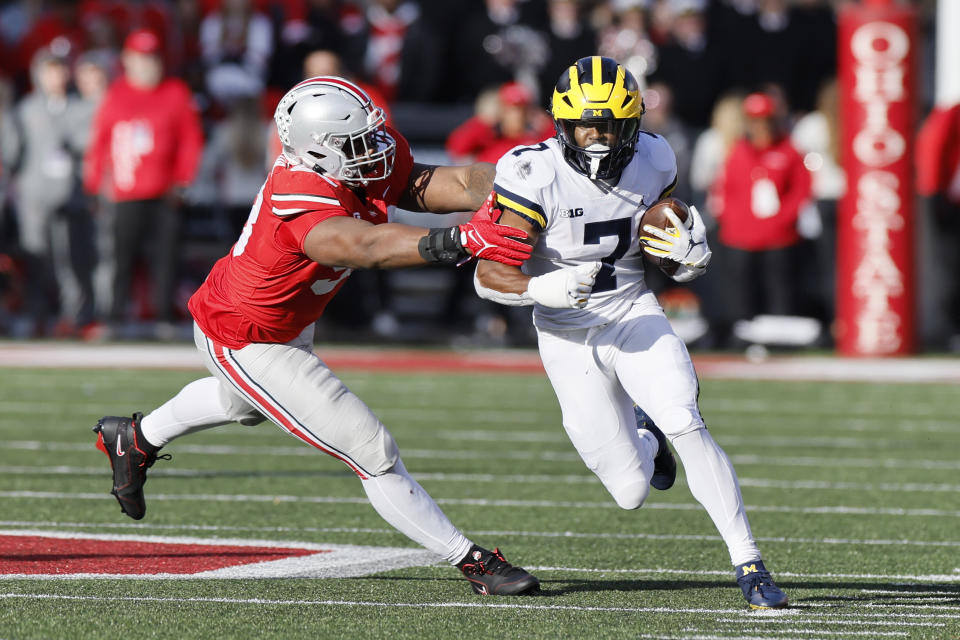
(486, 239)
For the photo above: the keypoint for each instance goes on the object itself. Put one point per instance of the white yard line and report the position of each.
(480, 478)
(479, 502)
(492, 533)
(539, 454)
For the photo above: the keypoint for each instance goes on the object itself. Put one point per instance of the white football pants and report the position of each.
(598, 375)
(291, 386)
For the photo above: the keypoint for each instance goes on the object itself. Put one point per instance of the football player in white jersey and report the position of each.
(580, 196)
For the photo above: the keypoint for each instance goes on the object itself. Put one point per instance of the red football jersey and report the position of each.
(267, 289)
(143, 141)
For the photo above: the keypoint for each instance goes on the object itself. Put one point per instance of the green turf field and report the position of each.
(853, 492)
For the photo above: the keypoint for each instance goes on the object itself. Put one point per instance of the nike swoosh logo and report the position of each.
(120, 452)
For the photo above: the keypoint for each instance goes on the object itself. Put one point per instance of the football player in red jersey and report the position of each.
(321, 213)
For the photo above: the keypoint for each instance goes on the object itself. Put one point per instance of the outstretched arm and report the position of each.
(343, 241)
(447, 189)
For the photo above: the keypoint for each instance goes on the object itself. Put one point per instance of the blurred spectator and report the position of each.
(494, 45)
(503, 120)
(399, 53)
(627, 40)
(817, 137)
(763, 187)
(710, 151)
(42, 23)
(43, 150)
(690, 65)
(938, 178)
(232, 169)
(236, 42)
(145, 147)
(92, 72)
(569, 36)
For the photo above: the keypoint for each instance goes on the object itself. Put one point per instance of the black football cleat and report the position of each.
(490, 574)
(758, 587)
(130, 456)
(664, 464)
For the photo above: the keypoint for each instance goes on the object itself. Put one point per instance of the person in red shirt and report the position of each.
(145, 147)
(762, 188)
(511, 120)
(938, 179)
(322, 212)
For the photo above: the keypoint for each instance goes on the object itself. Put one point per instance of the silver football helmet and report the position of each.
(330, 125)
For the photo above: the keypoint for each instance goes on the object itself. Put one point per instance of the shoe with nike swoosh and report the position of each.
(130, 456)
(490, 574)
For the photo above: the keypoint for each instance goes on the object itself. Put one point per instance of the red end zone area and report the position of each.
(51, 554)
(35, 555)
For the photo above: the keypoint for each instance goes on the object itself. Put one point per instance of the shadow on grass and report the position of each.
(868, 593)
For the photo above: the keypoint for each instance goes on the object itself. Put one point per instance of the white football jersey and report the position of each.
(581, 220)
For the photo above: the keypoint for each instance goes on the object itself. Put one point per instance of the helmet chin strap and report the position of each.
(597, 152)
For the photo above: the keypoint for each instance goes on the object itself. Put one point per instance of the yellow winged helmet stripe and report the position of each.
(589, 99)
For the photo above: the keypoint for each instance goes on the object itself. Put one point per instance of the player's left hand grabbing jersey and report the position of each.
(580, 221)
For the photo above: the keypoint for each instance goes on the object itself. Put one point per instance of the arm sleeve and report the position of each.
(500, 297)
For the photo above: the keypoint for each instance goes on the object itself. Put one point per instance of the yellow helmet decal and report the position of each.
(597, 87)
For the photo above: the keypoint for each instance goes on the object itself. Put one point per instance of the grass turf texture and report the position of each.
(852, 491)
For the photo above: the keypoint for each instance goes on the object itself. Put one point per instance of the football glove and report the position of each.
(567, 288)
(488, 240)
(683, 243)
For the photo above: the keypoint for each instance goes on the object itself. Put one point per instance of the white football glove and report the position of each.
(687, 244)
(567, 288)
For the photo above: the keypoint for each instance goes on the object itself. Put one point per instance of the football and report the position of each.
(656, 216)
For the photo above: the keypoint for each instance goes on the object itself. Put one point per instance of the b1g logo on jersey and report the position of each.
(571, 213)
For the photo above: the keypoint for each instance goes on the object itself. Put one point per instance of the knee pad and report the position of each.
(679, 420)
(630, 496)
(622, 473)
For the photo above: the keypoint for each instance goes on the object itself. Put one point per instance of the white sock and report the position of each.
(404, 504)
(713, 482)
(198, 406)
